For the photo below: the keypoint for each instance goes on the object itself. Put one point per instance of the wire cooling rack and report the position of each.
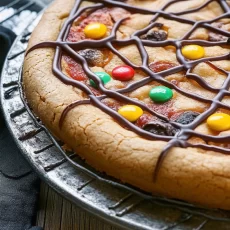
(103, 196)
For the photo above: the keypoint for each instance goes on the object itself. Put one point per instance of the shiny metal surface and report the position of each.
(103, 196)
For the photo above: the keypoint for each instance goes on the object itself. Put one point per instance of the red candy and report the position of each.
(123, 73)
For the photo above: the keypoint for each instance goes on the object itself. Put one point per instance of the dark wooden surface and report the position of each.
(57, 213)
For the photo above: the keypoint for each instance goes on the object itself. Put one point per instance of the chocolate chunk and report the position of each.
(159, 25)
(155, 35)
(160, 128)
(187, 117)
(93, 57)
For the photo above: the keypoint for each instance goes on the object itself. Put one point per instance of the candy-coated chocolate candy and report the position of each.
(105, 78)
(219, 122)
(130, 112)
(160, 94)
(123, 73)
(95, 30)
(193, 52)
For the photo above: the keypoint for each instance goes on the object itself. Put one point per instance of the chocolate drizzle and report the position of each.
(186, 131)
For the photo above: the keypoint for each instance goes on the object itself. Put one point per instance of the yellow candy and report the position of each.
(95, 30)
(219, 122)
(130, 112)
(193, 52)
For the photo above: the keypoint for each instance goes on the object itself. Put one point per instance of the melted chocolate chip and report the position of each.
(187, 117)
(159, 25)
(92, 56)
(160, 128)
(155, 35)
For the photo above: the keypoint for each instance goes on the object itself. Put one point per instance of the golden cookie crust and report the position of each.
(190, 174)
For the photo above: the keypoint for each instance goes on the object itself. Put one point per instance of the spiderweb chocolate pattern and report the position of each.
(185, 131)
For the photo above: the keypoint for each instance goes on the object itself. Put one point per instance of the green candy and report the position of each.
(105, 78)
(160, 94)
